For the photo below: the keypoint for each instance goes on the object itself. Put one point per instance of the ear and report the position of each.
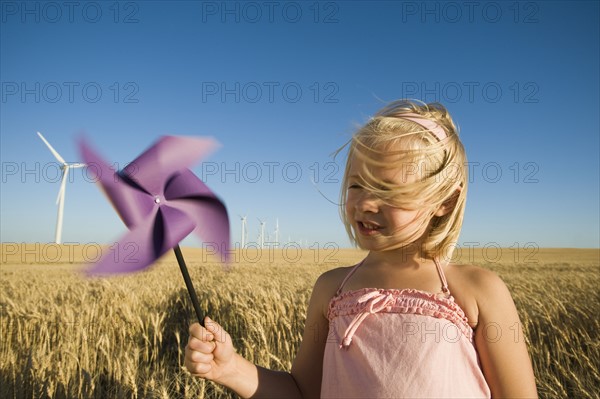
(448, 205)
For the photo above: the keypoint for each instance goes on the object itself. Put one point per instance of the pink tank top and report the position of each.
(389, 343)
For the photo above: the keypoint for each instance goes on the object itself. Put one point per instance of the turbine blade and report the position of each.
(52, 150)
(63, 185)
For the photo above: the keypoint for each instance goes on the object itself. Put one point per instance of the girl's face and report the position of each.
(379, 226)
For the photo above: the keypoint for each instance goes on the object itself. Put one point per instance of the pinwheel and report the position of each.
(161, 202)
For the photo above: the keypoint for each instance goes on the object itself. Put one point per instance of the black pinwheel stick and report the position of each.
(188, 283)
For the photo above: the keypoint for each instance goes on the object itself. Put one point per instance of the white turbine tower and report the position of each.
(277, 233)
(244, 231)
(60, 199)
(262, 234)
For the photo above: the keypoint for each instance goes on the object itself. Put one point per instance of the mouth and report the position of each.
(368, 228)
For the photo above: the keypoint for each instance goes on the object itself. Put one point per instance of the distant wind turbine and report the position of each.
(277, 233)
(262, 233)
(60, 199)
(244, 231)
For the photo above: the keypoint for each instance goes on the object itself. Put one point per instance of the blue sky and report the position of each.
(281, 85)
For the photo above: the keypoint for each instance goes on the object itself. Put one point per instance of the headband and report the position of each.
(433, 127)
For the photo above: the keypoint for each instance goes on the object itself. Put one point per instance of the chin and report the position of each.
(371, 245)
(384, 247)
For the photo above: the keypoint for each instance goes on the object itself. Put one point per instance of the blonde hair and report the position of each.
(441, 165)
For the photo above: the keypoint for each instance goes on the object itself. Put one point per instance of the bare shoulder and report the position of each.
(327, 284)
(477, 290)
(335, 276)
(475, 279)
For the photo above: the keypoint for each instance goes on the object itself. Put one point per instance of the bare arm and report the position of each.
(500, 341)
(210, 354)
(307, 368)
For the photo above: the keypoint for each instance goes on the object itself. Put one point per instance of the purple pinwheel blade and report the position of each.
(171, 226)
(168, 155)
(132, 204)
(161, 201)
(144, 243)
(186, 184)
(188, 193)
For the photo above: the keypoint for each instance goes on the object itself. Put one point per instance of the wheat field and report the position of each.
(65, 336)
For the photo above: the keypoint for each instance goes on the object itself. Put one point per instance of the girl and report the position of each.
(403, 322)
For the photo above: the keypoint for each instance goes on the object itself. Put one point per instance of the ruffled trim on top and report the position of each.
(407, 301)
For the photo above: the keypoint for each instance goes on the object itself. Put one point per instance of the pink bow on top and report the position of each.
(376, 302)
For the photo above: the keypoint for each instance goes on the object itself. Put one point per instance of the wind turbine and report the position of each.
(277, 233)
(244, 230)
(60, 199)
(262, 234)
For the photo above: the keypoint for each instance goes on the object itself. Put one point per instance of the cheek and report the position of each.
(350, 203)
(348, 208)
(402, 217)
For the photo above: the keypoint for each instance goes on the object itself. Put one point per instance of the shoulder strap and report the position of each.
(350, 273)
(440, 270)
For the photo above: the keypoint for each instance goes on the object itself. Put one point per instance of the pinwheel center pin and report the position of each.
(157, 200)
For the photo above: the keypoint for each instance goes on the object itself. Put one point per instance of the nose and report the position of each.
(367, 202)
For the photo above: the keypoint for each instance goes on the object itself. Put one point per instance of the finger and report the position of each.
(215, 329)
(202, 346)
(199, 357)
(199, 369)
(199, 332)
(193, 357)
